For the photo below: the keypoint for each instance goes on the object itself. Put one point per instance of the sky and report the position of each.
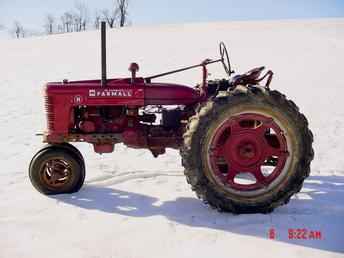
(31, 13)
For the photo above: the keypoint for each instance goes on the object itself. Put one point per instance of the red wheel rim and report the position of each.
(245, 144)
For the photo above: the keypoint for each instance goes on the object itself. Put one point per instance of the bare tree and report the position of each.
(67, 22)
(76, 23)
(97, 18)
(110, 16)
(81, 16)
(78, 19)
(63, 26)
(49, 24)
(118, 13)
(122, 6)
(60, 28)
(18, 30)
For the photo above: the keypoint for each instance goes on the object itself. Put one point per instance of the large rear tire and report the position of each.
(247, 152)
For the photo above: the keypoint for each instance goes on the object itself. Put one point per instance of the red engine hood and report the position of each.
(123, 92)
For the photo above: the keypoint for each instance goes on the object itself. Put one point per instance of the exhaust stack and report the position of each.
(103, 53)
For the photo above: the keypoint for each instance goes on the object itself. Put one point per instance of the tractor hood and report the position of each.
(123, 92)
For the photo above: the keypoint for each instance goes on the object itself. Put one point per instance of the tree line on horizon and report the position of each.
(77, 19)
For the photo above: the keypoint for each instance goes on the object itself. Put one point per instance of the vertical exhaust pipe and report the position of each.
(103, 53)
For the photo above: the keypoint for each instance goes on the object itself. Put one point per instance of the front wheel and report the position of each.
(248, 152)
(57, 169)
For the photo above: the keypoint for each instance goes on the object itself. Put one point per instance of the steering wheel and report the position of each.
(225, 59)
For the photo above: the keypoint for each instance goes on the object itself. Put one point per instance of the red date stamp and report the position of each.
(298, 234)
(304, 233)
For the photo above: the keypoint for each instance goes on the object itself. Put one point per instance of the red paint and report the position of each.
(272, 233)
(60, 98)
(112, 112)
(103, 148)
(244, 144)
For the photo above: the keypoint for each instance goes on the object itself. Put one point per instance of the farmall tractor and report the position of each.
(245, 148)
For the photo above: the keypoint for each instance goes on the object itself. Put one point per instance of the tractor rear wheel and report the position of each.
(57, 169)
(247, 152)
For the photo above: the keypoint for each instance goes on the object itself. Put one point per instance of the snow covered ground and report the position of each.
(133, 205)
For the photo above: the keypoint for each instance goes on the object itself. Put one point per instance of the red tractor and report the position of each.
(245, 148)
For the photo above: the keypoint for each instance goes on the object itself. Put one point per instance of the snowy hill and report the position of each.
(136, 206)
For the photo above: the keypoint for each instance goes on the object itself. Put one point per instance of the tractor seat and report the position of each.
(250, 77)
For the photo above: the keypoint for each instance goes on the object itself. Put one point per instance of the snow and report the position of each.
(133, 205)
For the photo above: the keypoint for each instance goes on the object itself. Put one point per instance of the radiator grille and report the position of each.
(49, 109)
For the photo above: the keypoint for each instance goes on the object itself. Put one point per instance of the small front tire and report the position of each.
(57, 170)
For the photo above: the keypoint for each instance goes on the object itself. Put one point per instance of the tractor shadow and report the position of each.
(319, 207)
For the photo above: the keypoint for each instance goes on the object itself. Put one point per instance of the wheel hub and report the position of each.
(246, 151)
(56, 173)
(243, 150)
(246, 143)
